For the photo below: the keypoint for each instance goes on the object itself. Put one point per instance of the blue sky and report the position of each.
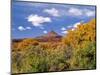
(31, 19)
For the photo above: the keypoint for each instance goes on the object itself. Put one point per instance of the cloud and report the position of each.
(75, 11)
(21, 28)
(69, 26)
(53, 12)
(28, 28)
(73, 29)
(45, 32)
(76, 24)
(81, 12)
(71, 11)
(89, 13)
(64, 32)
(63, 28)
(38, 20)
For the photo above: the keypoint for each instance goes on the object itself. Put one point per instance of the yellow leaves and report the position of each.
(26, 42)
(30, 41)
(76, 51)
(81, 40)
(84, 32)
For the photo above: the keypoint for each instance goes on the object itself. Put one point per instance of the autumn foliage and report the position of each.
(77, 50)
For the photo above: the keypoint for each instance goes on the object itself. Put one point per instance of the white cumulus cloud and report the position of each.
(38, 20)
(28, 28)
(65, 32)
(89, 13)
(63, 28)
(45, 32)
(69, 26)
(81, 12)
(76, 24)
(52, 12)
(75, 11)
(73, 29)
(21, 28)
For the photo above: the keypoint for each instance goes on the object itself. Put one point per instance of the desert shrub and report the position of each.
(76, 51)
(84, 32)
(16, 62)
(27, 42)
(37, 59)
(33, 60)
(84, 58)
(82, 42)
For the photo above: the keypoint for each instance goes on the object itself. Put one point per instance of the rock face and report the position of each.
(50, 37)
(51, 34)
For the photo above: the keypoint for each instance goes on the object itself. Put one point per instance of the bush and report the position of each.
(76, 51)
(84, 58)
